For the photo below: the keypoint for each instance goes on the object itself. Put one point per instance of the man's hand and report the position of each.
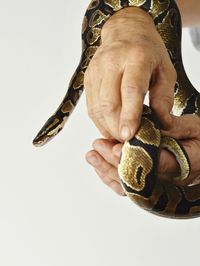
(106, 154)
(131, 60)
(187, 130)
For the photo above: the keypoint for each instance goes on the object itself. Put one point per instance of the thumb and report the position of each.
(184, 127)
(168, 166)
(169, 169)
(117, 149)
(161, 95)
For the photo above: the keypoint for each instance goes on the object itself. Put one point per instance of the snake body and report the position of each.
(139, 159)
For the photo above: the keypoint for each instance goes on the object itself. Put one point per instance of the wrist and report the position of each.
(131, 20)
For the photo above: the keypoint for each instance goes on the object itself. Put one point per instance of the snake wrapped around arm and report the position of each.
(140, 156)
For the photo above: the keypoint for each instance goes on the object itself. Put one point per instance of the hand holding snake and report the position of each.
(121, 70)
(140, 156)
(106, 153)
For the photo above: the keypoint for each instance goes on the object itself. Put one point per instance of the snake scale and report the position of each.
(139, 159)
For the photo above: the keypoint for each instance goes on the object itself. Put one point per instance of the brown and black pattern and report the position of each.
(139, 159)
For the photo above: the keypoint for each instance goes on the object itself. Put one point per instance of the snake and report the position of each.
(138, 164)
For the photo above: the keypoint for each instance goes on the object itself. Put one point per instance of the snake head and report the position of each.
(41, 139)
(51, 128)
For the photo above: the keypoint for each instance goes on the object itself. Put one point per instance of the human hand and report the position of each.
(131, 60)
(185, 128)
(105, 158)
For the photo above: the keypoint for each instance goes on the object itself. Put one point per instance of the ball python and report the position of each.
(139, 158)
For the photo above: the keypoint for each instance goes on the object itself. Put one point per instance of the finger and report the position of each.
(168, 166)
(92, 100)
(135, 84)
(104, 148)
(161, 95)
(111, 100)
(106, 172)
(192, 147)
(184, 127)
(117, 149)
(99, 163)
(114, 185)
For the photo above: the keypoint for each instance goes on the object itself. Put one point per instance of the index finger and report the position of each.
(134, 86)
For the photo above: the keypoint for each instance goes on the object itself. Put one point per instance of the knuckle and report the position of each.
(135, 89)
(129, 118)
(144, 57)
(94, 112)
(102, 176)
(105, 134)
(105, 179)
(140, 52)
(178, 124)
(104, 170)
(103, 131)
(133, 123)
(189, 133)
(107, 107)
(110, 61)
(167, 100)
(129, 89)
(111, 183)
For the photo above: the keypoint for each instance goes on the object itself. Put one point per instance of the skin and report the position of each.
(106, 153)
(131, 63)
(189, 12)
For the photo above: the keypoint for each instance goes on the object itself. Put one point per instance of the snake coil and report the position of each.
(139, 159)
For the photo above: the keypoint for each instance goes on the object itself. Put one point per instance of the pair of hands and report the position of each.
(131, 61)
(106, 154)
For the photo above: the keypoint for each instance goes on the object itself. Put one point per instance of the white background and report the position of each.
(54, 210)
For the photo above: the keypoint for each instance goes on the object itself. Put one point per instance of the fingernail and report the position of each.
(125, 132)
(92, 160)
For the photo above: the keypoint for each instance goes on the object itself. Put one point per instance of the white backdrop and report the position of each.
(54, 210)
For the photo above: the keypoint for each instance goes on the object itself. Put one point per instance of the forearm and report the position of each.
(190, 12)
